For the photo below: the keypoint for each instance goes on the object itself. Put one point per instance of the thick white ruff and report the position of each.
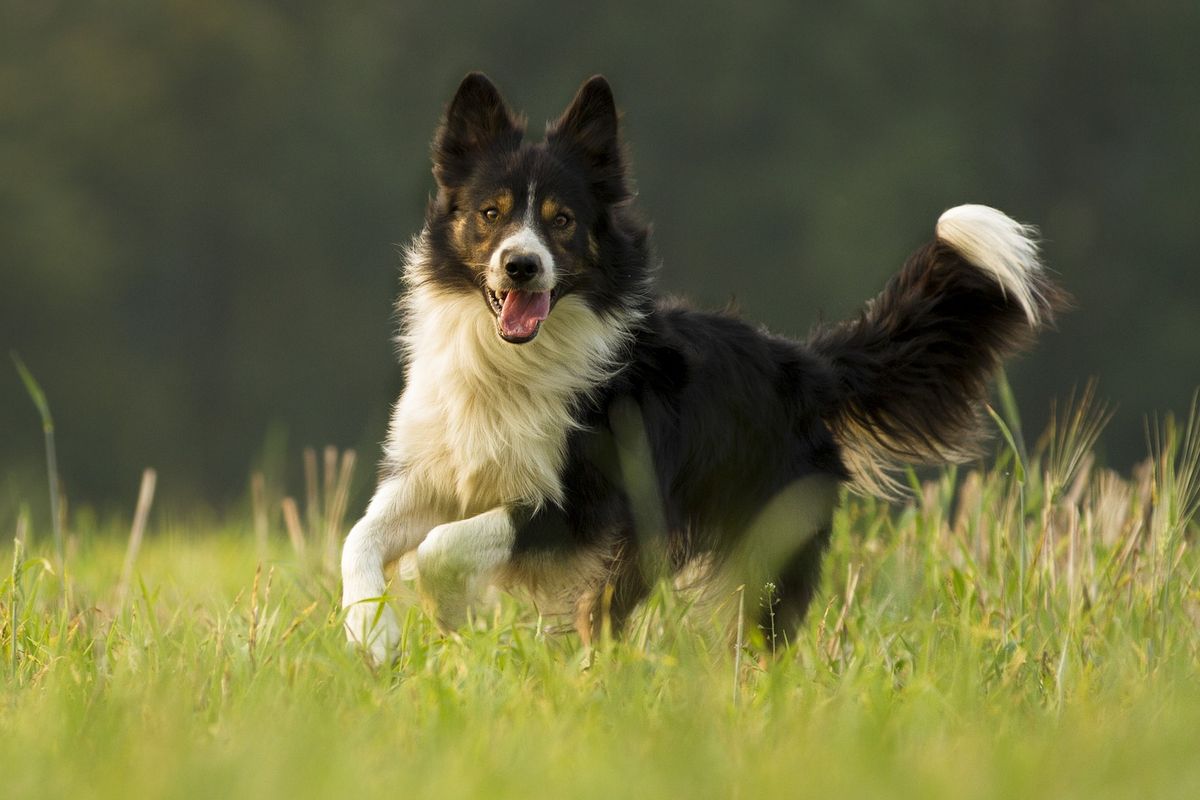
(483, 422)
(482, 425)
(996, 243)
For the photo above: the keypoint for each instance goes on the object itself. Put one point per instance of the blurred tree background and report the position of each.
(200, 200)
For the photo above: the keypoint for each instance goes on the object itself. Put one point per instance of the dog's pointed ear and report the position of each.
(590, 130)
(476, 120)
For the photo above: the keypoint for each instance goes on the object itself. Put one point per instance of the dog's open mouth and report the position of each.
(519, 313)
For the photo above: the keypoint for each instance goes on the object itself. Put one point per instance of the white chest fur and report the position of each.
(482, 422)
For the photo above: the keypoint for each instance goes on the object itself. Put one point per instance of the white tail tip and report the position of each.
(996, 243)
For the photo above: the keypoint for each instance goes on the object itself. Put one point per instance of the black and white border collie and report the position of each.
(562, 426)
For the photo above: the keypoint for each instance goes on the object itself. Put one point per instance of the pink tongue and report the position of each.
(523, 312)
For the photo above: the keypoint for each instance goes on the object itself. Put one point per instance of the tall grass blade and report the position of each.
(1019, 475)
(39, 400)
(738, 644)
(1008, 404)
(1019, 459)
(13, 601)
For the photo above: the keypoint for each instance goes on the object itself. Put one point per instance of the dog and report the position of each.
(560, 425)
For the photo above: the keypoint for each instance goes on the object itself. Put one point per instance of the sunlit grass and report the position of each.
(989, 639)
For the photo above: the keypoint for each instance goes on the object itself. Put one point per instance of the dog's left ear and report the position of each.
(589, 129)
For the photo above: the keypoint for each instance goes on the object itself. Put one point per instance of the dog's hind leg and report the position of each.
(397, 518)
(457, 557)
(786, 598)
(611, 602)
(782, 555)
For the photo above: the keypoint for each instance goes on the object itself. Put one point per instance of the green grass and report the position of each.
(990, 639)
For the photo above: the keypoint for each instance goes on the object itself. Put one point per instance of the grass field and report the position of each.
(1025, 628)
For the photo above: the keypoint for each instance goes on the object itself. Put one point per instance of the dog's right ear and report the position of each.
(477, 120)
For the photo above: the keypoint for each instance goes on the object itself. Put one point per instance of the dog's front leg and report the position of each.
(397, 517)
(457, 557)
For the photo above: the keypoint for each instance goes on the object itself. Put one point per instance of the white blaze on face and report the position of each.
(527, 240)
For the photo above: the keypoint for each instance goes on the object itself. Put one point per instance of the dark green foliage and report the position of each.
(200, 202)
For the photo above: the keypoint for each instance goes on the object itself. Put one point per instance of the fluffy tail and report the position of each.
(912, 371)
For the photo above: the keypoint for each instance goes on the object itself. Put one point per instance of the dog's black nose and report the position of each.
(522, 267)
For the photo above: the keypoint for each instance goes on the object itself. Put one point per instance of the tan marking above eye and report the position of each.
(556, 215)
(502, 201)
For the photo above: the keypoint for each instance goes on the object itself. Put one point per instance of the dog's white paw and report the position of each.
(454, 560)
(445, 578)
(373, 625)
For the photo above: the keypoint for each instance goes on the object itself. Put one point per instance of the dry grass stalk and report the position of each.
(137, 532)
(312, 498)
(852, 575)
(337, 500)
(291, 519)
(327, 481)
(331, 462)
(304, 614)
(1111, 502)
(258, 502)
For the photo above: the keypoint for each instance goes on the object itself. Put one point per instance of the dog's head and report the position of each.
(525, 224)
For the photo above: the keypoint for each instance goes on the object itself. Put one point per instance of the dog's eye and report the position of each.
(491, 214)
(562, 220)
